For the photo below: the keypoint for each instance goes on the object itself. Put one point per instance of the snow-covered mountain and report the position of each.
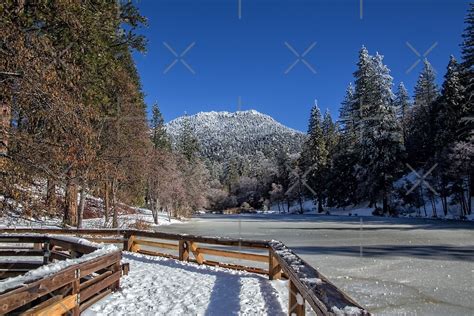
(222, 135)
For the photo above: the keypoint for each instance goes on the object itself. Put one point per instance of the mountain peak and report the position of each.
(245, 133)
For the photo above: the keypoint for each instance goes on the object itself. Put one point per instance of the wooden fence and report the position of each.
(270, 258)
(67, 289)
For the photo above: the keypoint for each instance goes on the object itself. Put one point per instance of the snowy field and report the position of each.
(141, 217)
(160, 286)
(391, 266)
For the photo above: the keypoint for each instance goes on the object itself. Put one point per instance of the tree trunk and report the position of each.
(423, 201)
(464, 209)
(385, 208)
(82, 202)
(444, 203)
(5, 110)
(300, 196)
(169, 213)
(51, 196)
(433, 206)
(114, 204)
(154, 210)
(70, 205)
(320, 204)
(106, 202)
(470, 183)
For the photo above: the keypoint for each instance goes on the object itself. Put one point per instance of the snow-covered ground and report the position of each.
(141, 217)
(160, 286)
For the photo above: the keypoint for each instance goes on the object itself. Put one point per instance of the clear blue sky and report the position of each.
(247, 57)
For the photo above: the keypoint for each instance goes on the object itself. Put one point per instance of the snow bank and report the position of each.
(161, 286)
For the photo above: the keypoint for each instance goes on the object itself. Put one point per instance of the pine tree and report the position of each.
(402, 104)
(283, 176)
(467, 48)
(420, 130)
(315, 155)
(160, 138)
(348, 113)
(363, 81)
(381, 147)
(188, 144)
(467, 75)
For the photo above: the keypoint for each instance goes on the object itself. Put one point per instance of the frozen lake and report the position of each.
(391, 266)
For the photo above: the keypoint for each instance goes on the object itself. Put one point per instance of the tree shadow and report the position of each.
(413, 222)
(269, 293)
(225, 296)
(439, 252)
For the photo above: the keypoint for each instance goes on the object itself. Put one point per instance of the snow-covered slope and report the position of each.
(245, 133)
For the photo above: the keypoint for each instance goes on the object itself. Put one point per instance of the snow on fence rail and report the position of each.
(68, 276)
(306, 284)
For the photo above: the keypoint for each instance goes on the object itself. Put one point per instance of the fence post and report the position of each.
(296, 301)
(76, 289)
(183, 250)
(46, 252)
(194, 249)
(128, 242)
(116, 267)
(274, 268)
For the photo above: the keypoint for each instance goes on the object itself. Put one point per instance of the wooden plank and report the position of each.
(71, 246)
(85, 305)
(22, 295)
(106, 240)
(94, 280)
(100, 263)
(66, 231)
(204, 240)
(233, 266)
(37, 246)
(58, 308)
(157, 254)
(96, 288)
(22, 248)
(152, 234)
(42, 305)
(19, 265)
(21, 252)
(234, 254)
(58, 255)
(22, 239)
(156, 244)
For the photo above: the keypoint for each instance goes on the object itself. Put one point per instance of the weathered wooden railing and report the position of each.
(271, 258)
(57, 288)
